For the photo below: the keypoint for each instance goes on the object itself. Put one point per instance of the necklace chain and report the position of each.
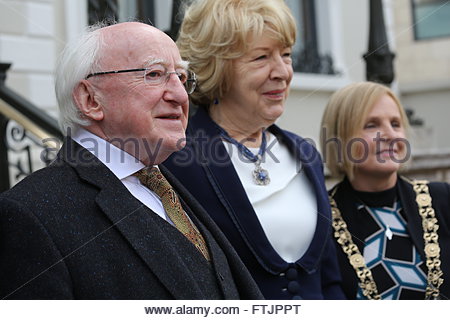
(260, 175)
(430, 236)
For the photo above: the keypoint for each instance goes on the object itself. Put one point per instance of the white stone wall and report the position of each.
(33, 32)
(27, 40)
(418, 61)
(305, 105)
(423, 76)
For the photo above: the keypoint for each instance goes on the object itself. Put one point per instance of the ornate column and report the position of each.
(379, 59)
(177, 18)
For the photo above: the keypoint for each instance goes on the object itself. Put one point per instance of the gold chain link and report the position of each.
(344, 238)
(430, 237)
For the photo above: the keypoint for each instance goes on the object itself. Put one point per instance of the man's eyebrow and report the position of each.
(153, 61)
(181, 64)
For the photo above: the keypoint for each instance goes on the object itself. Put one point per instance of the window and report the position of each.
(155, 12)
(102, 10)
(312, 52)
(431, 18)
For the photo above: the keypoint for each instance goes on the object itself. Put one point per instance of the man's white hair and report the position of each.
(78, 59)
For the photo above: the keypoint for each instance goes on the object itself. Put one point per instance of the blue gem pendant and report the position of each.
(260, 175)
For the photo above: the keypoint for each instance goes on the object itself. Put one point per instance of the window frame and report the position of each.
(416, 24)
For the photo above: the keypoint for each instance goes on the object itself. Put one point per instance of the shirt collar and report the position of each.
(121, 163)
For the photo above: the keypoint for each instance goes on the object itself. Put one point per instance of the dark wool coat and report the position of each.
(73, 231)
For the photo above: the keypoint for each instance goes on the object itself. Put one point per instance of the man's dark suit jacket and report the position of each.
(73, 231)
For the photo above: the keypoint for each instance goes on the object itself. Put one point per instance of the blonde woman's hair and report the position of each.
(344, 117)
(215, 32)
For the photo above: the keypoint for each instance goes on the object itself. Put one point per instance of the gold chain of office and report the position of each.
(431, 243)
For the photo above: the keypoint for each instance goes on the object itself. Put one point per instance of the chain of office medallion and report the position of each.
(430, 237)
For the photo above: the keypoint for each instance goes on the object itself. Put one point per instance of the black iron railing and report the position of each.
(22, 128)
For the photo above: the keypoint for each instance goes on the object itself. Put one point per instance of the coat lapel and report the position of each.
(312, 166)
(355, 220)
(139, 225)
(228, 267)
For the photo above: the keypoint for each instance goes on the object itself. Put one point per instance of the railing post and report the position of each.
(3, 68)
(176, 20)
(4, 163)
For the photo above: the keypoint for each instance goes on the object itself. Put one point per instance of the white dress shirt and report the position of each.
(123, 165)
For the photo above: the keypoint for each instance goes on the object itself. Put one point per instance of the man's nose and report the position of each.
(175, 89)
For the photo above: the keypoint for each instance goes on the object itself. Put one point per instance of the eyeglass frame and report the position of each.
(192, 77)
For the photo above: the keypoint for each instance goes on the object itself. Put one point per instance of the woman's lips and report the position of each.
(388, 152)
(277, 94)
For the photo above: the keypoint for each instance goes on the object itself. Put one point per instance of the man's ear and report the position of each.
(86, 101)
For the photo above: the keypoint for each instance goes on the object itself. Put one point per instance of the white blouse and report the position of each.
(287, 207)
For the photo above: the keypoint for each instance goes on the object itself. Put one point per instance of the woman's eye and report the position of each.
(396, 124)
(261, 57)
(369, 125)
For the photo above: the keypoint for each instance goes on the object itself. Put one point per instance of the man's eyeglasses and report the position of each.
(157, 75)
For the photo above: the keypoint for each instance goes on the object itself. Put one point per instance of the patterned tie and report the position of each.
(153, 179)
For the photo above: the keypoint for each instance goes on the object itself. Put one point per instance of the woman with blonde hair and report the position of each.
(262, 185)
(390, 231)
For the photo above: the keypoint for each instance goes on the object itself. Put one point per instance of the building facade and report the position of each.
(333, 37)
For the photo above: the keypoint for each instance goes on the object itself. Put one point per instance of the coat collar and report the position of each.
(346, 201)
(229, 190)
(133, 220)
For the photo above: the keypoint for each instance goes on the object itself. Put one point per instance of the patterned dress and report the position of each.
(389, 252)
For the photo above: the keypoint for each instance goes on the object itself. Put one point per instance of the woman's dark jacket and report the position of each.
(205, 168)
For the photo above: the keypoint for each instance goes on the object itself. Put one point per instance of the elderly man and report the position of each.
(104, 221)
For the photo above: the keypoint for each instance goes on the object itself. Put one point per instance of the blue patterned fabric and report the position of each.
(391, 256)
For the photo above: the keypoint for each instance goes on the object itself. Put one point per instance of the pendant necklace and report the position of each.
(260, 175)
